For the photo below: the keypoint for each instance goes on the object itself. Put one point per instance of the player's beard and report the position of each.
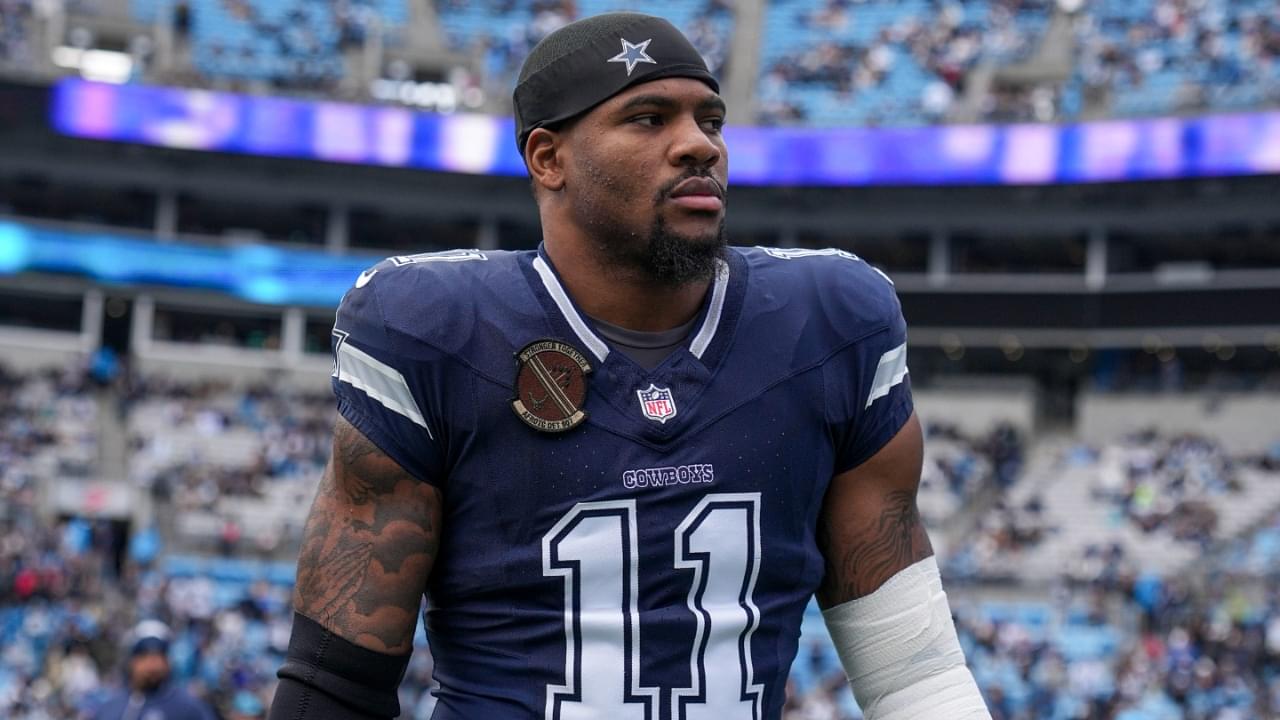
(662, 256)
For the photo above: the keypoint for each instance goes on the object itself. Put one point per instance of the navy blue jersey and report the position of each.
(654, 561)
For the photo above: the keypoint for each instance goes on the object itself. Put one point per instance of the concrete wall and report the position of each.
(25, 349)
(976, 411)
(237, 366)
(1243, 422)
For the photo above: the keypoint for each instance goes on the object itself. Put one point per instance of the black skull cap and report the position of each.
(589, 61)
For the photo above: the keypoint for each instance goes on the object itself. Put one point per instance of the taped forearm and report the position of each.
(329, 677)
(901, 653)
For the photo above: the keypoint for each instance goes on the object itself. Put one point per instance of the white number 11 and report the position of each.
(594, 547)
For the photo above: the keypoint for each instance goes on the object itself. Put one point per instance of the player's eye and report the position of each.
(713, 124)
(650, 120)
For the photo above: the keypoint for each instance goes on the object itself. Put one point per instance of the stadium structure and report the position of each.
(1076, 201)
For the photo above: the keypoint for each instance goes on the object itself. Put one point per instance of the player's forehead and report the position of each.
(673, 92)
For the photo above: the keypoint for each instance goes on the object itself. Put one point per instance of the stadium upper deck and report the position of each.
(812, 62)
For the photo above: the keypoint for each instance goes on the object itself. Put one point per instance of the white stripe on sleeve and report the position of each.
(891, 370)
(380, 382)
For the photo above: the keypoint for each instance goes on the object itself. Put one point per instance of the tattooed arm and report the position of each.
(870, 528)
(368, 546)
(882, 596)
(367, 552)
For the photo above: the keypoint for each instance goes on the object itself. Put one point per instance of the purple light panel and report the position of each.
(1116, 150)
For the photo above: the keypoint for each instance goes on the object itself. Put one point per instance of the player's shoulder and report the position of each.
(444, 273)
(855, 297)
(433, 296)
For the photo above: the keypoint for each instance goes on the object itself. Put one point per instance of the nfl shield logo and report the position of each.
(657, 403)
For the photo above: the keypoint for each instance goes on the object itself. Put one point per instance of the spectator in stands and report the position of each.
(149, 693)
(871, 62)
(1181, 56)
(1004, 447)
(1189, 648)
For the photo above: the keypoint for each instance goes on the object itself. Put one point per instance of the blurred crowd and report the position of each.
(1173, 487)
(47, 426)
(1212, 653)
(1204, 50)
(1161, 651)
(1259, 552)
(298, 49)
(285, 437)
(1145, 57)
(1003, 447)
(1123, 646)
(1146, 649)
(287, 45)
(943, 39)
(1007, 528)
(958, 467)
(71, 590)
(512, 29)
(1163, 483)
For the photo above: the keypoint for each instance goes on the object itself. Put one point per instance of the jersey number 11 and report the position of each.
(594, 549)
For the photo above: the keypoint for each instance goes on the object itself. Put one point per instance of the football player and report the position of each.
(621, 465)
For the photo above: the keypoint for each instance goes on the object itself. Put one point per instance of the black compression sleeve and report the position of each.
(325, 676)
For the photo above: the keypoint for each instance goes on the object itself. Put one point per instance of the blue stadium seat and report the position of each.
(235, 570)
(279, 41)
(183, 566)
(281, 573)
(508, 31)
(1175, 71)
(793, 30)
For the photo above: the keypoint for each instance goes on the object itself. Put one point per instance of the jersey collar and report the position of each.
(687, 372)
(566, 307)
(700, 345)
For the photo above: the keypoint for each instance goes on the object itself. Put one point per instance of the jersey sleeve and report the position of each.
(868, 391)
(383, 390)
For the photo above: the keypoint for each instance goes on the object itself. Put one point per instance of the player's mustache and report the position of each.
(665, 191)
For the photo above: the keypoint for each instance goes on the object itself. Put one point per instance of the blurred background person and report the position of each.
(149, 693)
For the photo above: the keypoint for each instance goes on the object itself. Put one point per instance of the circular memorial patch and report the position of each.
(551, 386)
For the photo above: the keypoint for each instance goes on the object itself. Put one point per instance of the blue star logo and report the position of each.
(633, 54)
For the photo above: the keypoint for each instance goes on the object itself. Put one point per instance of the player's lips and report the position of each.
(698, 193)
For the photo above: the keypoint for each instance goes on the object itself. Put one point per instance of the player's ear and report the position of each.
(543, 153)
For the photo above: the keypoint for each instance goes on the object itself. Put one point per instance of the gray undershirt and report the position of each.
(647, 349)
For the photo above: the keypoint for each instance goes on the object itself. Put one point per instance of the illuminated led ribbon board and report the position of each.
(1019, 154)
(254, 272)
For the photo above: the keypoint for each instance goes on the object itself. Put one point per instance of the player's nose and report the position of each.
(693, 145)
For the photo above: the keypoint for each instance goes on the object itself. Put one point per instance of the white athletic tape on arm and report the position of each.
(901, 653)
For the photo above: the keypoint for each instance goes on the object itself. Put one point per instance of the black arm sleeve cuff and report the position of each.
(325, 676)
